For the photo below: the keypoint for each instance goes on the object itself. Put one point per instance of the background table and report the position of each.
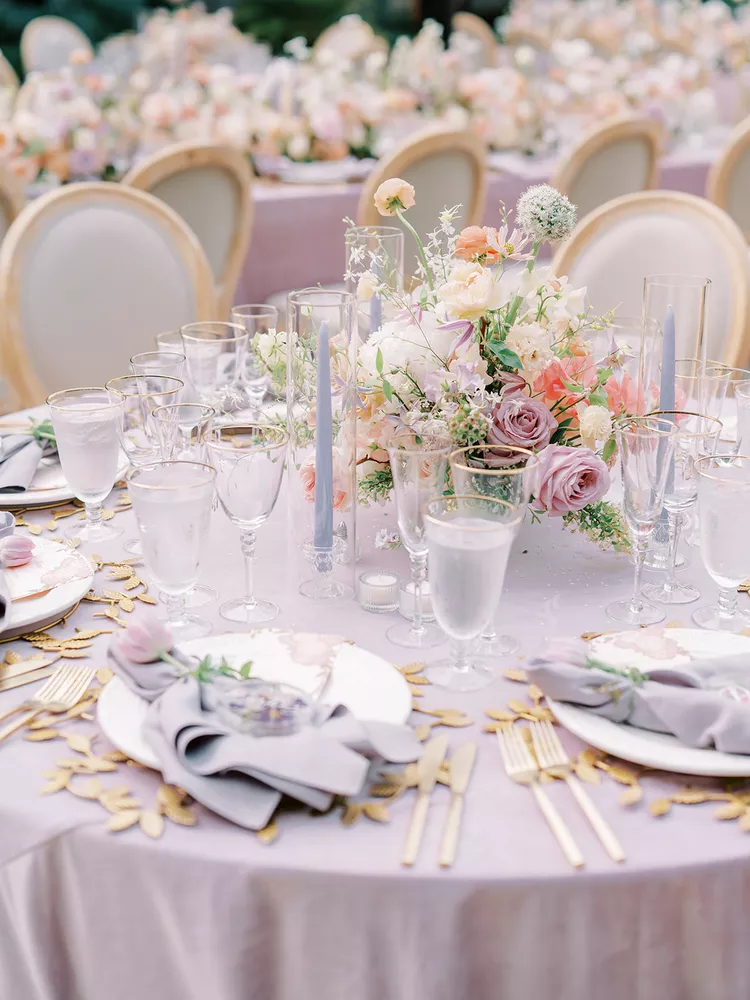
(326, 912)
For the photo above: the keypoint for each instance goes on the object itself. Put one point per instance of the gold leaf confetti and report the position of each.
(180, 815)
(412, 668)
(732, 810)
(35, 529)
(268, 834)
(416, 693)
(107, 515)
(55, 784)
(535, 693)
(659, 807)
(416, 679)
(51, 525)
(13, 657)
(133, 582)
(104, 675)
(92, 789)
(73, 654)
(376, 811)
(146, 598)
(81, 744)
(123, 820)
(126, 604)
(500, 715)
(515, 674)
(41, 734)
(151, 823)
(351, 813)
(631, 796)
(745, 821)
(690, 797)
(422, 733)
(586, 772)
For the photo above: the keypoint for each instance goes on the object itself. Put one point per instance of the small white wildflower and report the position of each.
(545, 214)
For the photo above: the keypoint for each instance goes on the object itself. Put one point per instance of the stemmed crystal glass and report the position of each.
(418, 464)
(469, 540)
(501, 472)
(724, 500)
(646, 447)
(172, 503)
(249, 461)
(158, 363)
(256, 320)
(695, 436)
(86, 423)
(215, 358)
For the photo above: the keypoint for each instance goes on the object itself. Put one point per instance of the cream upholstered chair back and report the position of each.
(48, 42)
(445, 169)
(89, 275)
(617, 246)
(475, 26)
(728, 182)
(619, 157)
(209, 186)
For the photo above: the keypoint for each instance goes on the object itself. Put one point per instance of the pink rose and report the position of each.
(340, 483)
(145, 641)
(15, 550)
(523, 422)
(567, 479)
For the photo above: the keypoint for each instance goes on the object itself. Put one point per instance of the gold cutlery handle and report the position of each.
(13, 711)
(601, 827)
(557, 825)
(449, 843)
(416, 829)
(17, 723)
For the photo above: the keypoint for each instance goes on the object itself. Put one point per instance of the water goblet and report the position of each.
(502, 472)
(160, 362)
(469, 540)
(695, 436)
(256, 320)
(723, 498)
(171, 341)
(249, 462)
(646, 448)
(172, 504)
(86, 423)
(418, 464)
(215, 359)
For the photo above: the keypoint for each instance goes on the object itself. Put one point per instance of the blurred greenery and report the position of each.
(276, 21)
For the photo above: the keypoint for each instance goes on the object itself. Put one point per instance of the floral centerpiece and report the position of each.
(493, 350)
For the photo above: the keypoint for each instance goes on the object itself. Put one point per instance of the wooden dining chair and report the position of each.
(89, 274)
(615, 247)
(209, 186)
(728, 181)
(12, 200)
(8, 76)
(48, 42)
(478, 29)
(620, 156)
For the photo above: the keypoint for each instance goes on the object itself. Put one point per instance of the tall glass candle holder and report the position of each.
(322, 424)
(374, 274)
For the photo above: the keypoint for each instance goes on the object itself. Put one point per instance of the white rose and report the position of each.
(85, 139)
(470, 291)
(531, 342)
(298, 147)
(596, 426)
(367, 286)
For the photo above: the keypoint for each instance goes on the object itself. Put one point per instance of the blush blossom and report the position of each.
(523, 422)
(392, 194)
(341, 492)
(145, 641)
(15, 550)
(567, 479)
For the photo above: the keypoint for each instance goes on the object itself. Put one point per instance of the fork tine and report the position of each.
(504, 750)
(556, 742)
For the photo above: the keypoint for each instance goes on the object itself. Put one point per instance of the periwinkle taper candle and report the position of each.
(323, 536)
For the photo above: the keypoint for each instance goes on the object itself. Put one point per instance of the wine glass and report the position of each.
(255, 319)
(86, 423)
(646, 447)
(742, 399)
(695, 436)
(215, 359)
(724, 498)
(249, 462)
(469, 540)
(418, 463)
(159, 363)
(172, 505)
(502, 472)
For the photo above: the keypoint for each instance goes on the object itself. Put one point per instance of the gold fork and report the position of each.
(59, 693)
(521, 767)
(553, 758)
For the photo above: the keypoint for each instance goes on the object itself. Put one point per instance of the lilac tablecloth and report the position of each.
(326, 912)
(298, 230)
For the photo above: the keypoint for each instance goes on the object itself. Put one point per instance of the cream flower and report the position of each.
(392, 194)
(596, 426)
(531, 342)
(367, 286)
(470, 291)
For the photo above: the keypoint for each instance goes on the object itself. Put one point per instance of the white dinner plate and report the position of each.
(37, 612)
(667, 648)
(369, 686)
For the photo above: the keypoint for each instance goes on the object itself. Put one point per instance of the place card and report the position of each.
(51, 565)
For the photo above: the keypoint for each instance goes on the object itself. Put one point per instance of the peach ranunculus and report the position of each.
(550, 382)
(392, 194)
(623, 396)
(341, 493)
(470, 291)
(472, 245)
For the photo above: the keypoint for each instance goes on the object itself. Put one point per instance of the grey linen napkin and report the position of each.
(20, 455)
(240, 776)
(704, 703)
(7, 527)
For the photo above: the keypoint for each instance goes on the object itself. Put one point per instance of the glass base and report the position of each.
(676, 593)
(249, 614)
(403, 635)
(648, 614)
(445, 674)
(497, 645)
(658, 560)
(94, 535)
(198, 597)
(133, 547)
(189, 627)
(712, 618)
(325, 590)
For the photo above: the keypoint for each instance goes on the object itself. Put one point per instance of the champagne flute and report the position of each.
(469, 540)
(172, 504)
(646, 447)
(86, 423)
(502, 472)
(249, 461)
(255, 319)
(724, 498)
(418, 463)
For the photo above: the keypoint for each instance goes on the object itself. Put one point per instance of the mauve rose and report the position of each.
(567, 479)
(520, 421)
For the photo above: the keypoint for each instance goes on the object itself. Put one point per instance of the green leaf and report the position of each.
(609, 449)
(379, 361)
(245, 669)
(387, 390)
(604, 375)
(598, 398)
(504, 354)
(572, 386)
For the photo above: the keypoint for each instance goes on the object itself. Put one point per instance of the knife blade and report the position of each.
(8, 670)
(428, 769)
(462, 765)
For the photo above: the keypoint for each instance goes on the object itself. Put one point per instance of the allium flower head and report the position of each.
(543, 213)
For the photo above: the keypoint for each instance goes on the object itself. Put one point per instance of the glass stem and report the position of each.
(418, 576)
(727, 602)
(639, 557)
(461, 663)
(93, 518)
(675, 526)
(247, 542)
(176, 609)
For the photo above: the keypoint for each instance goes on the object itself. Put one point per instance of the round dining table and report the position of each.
(326, 911)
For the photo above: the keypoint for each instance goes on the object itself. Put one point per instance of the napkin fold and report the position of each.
(20, 455)
(705, 703)
(7, 527)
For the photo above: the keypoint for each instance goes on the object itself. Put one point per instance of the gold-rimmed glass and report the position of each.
(139, 396)
(160, 362)
(249, 461)
(258, 320)
(215, 360)
(699, 386)
(183, 430)
(501, 472)
(86, 423)
(469, 539)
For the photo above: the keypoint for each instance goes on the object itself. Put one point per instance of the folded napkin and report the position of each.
(242, 776)
(20, 455)
(7, 527)
(705, 703)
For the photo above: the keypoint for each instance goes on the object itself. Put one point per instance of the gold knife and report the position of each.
(462, 764)
(428, 769)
